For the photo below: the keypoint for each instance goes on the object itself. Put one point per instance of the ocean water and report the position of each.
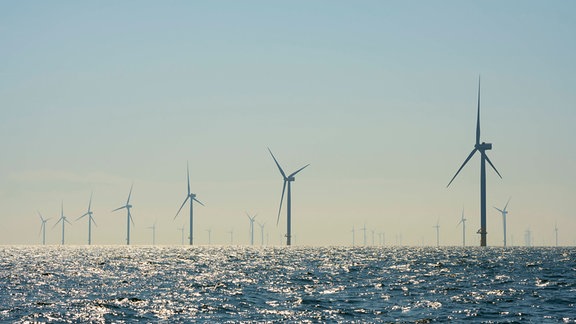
(278, 284)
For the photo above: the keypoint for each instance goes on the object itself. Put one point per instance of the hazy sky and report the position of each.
(378, 96)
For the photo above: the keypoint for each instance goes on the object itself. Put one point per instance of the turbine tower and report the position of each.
(90, 220)
(63, 220)
(364, 229)
(209, 236)
(128, 216)
(504, 214)
(252, 219)
(482, 148)
(181, 229)
(261, 233)
(153, 228)
(437, 226)
(43, 228)
(556, 231)
(287, 180)
(192, 198)
(463, 222)
(353, 236)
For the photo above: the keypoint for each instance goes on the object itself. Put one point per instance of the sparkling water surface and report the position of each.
(297, 284)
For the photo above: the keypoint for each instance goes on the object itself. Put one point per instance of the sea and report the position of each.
(177, 284)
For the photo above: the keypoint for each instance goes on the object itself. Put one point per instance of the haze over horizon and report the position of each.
(378, 96)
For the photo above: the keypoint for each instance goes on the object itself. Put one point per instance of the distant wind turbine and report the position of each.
(181, 229)
(437, 226)
(504, 213)
(192, 198)
(482, 148)
(63, 220)
(556, 231)
(353, 236)
(89, 213)
(43, 228)
(364, 229)
(128, 215)
(261, 233)
(209, 236)
(287, 180)
(153, 228)
(252, 219)
(463, 222)
(231, 236)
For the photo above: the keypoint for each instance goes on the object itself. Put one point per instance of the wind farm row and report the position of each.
(286, 198)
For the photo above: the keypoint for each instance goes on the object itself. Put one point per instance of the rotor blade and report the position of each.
(302, 168)
(130, 217)
(92, 219)
(129, 194)
(82, 216)
(498, 209)
(277, 164)
(184, 203)
(90, 203)
(67, 221)
(281, 200)
(507, 203)
(463, 164)
(42, 218)
(119, 208)
(492, 165)
(188, 177)
(198, 201)
(57, 223)
(478, 116)
(41, 226)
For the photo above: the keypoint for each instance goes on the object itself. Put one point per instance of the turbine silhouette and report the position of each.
(43, 228)
(482, 148)
(463, 222)
(437, 226)
(252, 219)
(287, 180)
(153, 228)
(556, 231)
(192, 197)
(90, 220)
(504, 215)
(261, 232)
(128, 215)
(63, 220)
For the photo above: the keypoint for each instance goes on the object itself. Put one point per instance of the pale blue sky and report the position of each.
(379, 96)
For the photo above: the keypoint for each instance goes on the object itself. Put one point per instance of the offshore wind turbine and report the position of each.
(209, 236)
(43, 228)
(89, 213)
(556, 231)
(252, 219)
(192, 197)
(181, 229)
(287, 180)
(504, 214)
(353, 236)
(261, 233)
(63, 220)
(364, 229)
(437, 226)
(482, 148)
(463, 222)
(128, 215)
(153, 228)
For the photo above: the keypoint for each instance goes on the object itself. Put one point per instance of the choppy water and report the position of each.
(219, 284)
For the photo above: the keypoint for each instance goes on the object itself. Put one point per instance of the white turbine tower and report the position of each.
(504, 213)
(63, 220)
(43, 228)
(556, 231)
(437, 226)
(89, 213)
(463, 222)
(287, 180)
(261, 233)
(128, 215)
(192, 197)
(209, 236)
(153, 228)
(252, 219)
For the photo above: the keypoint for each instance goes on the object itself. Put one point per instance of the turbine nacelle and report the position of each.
(291, 179)
(483, 147)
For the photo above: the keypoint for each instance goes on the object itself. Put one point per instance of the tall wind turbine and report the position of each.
(90, 220)
(63, 220)
(353, 236)
(43, 228)
(153, 228)
(128, 215)
(482, 148)
(261, 233)
(504, 214)
(463, 222)
(192, 198)
(252, 219)
(287, 180)
(437, 226)
(556, 231)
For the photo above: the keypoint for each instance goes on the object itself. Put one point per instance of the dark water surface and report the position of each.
(299, 284)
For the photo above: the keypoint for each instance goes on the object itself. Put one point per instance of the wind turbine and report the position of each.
(209, 236)
(364, 229)
(287, 180)
(90, 220)
(556, 231)
(192, 198)
(181, 229)
(43, 228)
(437, 226)
(261, 233)
(504, 214)
(153, 228)
(463, 222)
(231, 236)
(251, 218)
(482, 148)
(353, 236)
(63, 220)
(128, 216)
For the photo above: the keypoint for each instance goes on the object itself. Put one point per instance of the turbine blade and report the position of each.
(281, 200)
(93, 221)
(119, 208)
(198, 201)
(90, 203)
(67, 221)
(498, 209)
(507, 203)
(463, 164)
(188, 177)
(277, 164)
(81, 216)
(130, 217)
(478, 116)
(184, 203)
(42, 218)
(302, 168)
(492, 165)
(57, 223)
(129, 194)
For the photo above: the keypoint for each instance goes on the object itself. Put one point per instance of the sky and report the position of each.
(378, 96)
